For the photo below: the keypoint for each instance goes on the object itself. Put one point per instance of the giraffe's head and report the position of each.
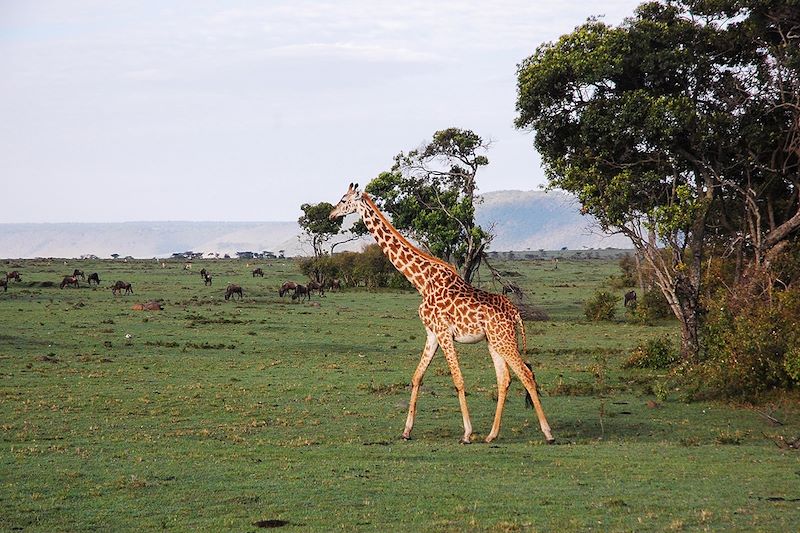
(348, 202)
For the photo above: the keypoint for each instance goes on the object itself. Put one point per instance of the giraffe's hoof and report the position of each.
(465, 441)
(551, 441)
(406, 437)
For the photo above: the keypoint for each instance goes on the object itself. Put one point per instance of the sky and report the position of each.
(142, 110)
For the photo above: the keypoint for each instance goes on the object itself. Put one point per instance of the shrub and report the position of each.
(649, 307)
(602, 306)
(655, 354)
(627, 264)
(752, 348)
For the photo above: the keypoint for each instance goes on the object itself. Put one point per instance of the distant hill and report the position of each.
(521, 220)
(539, 220)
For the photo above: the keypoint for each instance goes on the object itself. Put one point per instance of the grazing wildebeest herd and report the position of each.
(299, 291)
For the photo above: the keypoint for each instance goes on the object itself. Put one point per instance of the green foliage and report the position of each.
(656, 353)
(678, 126)
(369, 267)
(602, 306)
(650, 306)
(316, 225)
(430, 195)
(750, 349)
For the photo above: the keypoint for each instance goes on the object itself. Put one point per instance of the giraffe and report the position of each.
(452, 311)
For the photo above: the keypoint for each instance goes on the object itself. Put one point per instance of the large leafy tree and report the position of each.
(430, 194)
(676, 128)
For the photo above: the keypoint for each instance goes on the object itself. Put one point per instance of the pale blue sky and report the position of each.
(243, 110)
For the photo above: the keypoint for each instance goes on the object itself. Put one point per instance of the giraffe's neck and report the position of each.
(417, 266)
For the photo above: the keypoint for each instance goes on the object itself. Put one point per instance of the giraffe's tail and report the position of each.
(521, 324)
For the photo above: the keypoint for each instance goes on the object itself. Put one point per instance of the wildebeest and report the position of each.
(152, 305)
(13, 275)
(286, 287)
(4, 284)
(335, 284)
(120, 285)
(301, 291)
(258, 272)
(630, 298)
(232, 290)
(315, 286)
(69, 280)
(93, 277)
(78, 274)
(207, 279)
(203, 273)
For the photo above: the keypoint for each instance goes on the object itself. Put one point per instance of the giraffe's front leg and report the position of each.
(431, 345)
(446, 342)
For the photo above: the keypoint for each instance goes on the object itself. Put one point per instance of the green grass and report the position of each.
(240, 415)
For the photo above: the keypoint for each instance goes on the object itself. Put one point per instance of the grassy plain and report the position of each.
(263, 413)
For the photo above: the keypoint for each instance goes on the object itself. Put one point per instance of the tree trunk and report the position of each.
(471, 263)
(682, 292)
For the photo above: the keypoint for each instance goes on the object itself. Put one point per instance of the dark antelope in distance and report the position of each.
(232, 290)
(120, 286)
(93, 277)
(13, 275)
(286, 287)
(70, 280)
(4, 284)
(302, 292)
(316, 286)
(630, 298)
(258, 272)
(78, 274)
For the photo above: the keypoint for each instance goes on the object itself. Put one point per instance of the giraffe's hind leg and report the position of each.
(503, 380)
(508, 351)
(431, 345)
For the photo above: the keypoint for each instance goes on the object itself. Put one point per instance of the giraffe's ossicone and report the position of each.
(452, 311)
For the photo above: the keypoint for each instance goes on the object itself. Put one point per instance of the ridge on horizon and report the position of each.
(521, 220)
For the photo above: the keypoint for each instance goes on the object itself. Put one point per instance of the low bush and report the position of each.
(649, 307)
(750, 349)
(655, 354)
(602, 306)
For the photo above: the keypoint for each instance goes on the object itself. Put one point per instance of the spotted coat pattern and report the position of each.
(452, 311)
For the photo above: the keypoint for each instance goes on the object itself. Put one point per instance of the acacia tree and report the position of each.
(667, 129)
(430, 194)
(317, 227)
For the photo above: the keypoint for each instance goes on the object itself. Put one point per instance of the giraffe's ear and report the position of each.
(350, 188)
(355, 187)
